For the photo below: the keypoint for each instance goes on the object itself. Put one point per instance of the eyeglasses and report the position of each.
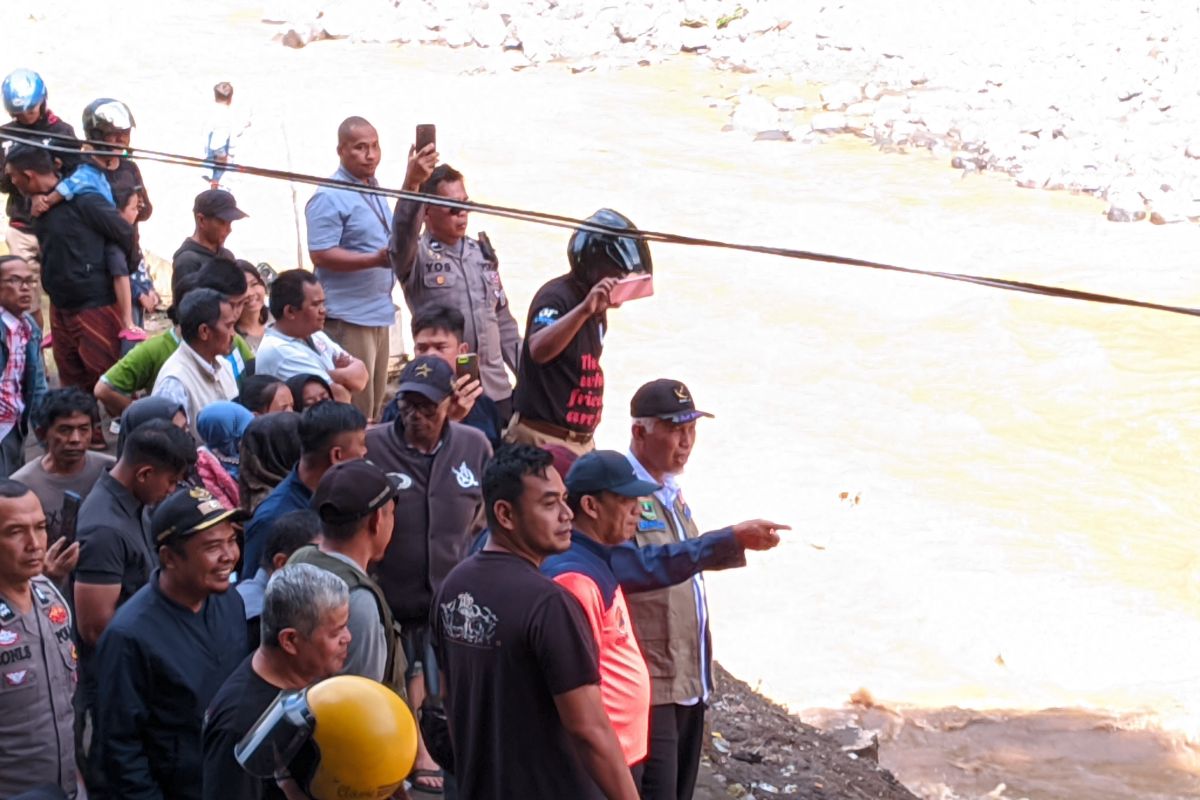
(22, 282)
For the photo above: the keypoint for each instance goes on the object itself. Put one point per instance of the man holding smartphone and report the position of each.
(560, 385)
(445, 266)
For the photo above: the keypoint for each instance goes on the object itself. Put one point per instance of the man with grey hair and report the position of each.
(305, 639)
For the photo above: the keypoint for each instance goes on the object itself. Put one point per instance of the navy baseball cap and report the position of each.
(428, 376)
(351, 490)
(606, 471)
(665, 399)
(189, 511)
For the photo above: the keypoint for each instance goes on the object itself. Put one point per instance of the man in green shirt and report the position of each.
(138, 369)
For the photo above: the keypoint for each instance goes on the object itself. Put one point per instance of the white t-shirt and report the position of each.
(286, 356)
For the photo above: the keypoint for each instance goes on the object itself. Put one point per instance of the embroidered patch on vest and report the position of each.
(9, 638)
(57, 615)
(648, 511)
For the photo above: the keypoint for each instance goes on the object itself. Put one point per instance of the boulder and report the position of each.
(755, 114)
(1126, 207)
(840, 95)
(829, 122)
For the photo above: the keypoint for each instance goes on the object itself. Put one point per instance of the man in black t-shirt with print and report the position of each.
(559, 396)
(305, 639)
(522, 684)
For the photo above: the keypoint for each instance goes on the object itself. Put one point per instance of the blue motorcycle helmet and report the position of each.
(23, 90)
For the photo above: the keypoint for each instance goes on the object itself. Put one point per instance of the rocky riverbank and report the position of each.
(1095, 98)
(758, 750)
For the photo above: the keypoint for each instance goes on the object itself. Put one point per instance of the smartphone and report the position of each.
(632, 288)
(467, 364)
(426, 134)
(68, 518)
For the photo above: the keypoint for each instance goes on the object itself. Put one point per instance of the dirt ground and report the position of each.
(758, 750)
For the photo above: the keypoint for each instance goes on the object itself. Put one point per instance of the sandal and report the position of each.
(427, 775)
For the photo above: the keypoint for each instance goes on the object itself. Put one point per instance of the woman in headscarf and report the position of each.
(221, 426)
(142, 411)
(308, 390)
(264, 394)
(270, 449)
(207, 471)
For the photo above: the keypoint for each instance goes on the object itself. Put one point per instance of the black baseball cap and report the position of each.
(665, 399)
(189, 511)
(218, 203)
(429, 376)
(352, 490)
(606, 471)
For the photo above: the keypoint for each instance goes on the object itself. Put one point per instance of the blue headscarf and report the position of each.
(221, 426)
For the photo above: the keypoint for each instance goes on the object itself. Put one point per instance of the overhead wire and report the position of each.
(70, 146)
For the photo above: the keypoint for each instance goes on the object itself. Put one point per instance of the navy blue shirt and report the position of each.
(290, 495)
(159, 665)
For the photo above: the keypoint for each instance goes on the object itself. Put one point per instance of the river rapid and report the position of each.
(993, 495)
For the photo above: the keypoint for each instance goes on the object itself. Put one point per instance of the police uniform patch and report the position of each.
(58, 615)
(9, 638)
(41, 596)
(651, 525)
(648, 511)
(6, 613)
(16, 678)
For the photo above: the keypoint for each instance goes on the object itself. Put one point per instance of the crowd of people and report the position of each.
(274, 513)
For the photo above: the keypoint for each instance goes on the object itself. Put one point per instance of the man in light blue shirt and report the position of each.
(348, 234)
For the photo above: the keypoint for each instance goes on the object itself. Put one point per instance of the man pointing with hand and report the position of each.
(672, 624)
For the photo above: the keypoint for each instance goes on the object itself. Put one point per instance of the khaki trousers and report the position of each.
(519, 432)
(371, 346)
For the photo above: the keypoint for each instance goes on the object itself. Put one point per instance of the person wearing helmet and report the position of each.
(348, 736)
(559, 396)
(25, 100)
(305, 639)
(109, 122)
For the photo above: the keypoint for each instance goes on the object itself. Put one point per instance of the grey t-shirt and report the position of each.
(49, 487)
(368, 640)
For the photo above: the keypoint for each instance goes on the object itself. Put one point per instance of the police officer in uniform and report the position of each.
(37, 655)
(444, 266)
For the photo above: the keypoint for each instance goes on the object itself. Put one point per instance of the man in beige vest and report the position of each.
(198, 373)
(672, 624)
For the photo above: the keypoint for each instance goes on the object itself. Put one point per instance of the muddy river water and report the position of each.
(1024, 536)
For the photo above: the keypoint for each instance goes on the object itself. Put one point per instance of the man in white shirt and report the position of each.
(296, 343)
(198, 373)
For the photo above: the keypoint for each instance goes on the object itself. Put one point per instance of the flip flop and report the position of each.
(418, 774)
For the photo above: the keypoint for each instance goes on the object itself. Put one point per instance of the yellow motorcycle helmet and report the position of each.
(345, 737)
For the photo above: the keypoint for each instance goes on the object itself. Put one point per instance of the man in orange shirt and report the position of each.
(603, 492)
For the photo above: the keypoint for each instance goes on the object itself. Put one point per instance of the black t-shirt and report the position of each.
(567, 391)
(508, 640)
(239, 703)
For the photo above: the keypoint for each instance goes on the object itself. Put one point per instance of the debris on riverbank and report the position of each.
(1101, 103)
(758, 750)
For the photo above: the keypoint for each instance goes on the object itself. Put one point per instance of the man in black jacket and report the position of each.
(439, 510)
(25, 98)
(85, 320)
(167, 652)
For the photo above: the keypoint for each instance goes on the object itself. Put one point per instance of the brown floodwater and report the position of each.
(1025, 468)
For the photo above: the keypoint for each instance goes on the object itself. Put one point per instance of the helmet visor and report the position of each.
(277, 737)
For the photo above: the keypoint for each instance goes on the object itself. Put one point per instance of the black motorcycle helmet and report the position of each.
(595, 256)
(104, 116)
